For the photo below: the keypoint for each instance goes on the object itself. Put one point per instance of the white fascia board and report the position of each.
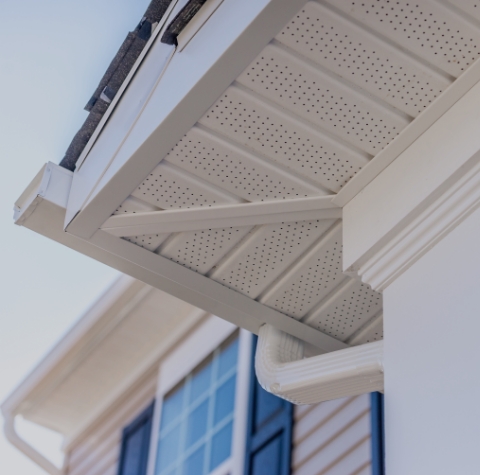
(425, 192)
(47, 219)
(172, 9)
(197, 22)
(162, 104)
(222, 216)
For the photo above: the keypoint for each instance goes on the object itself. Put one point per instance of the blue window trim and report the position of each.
(378, 433)
(279, 425)
(145, 417)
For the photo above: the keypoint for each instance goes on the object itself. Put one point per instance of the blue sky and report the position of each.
(52, 55)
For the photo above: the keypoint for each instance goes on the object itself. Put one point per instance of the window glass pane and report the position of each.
(194, 464)
(172, 406)
(168, 449)
(224, 400)
(201, 381)
(197, 423)
(196, 418)
(228, 358)
(221, 446)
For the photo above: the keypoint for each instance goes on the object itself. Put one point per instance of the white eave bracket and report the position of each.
(223, 216)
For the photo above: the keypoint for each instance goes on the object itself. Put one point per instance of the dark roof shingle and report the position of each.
(113, 78)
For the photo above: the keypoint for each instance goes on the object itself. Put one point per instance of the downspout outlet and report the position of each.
(282, 369)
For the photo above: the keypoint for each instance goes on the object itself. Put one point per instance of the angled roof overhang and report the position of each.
(222, 171)
(114, 345)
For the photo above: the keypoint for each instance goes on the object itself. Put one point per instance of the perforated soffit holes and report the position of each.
(312, 278)
(308, 93)
(170, 188)
(351, 52)
(347, 309)
(235, 170)
(274, 134)
(427, 29)
(201, 250)
(265, 255)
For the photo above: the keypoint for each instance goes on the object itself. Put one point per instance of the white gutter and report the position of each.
(282, 370)
(26, 448)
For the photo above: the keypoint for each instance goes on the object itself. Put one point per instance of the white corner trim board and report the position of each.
(26, 448)
(222, 216)
(281, 369)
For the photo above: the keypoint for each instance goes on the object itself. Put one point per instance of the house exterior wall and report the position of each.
(332, 438)
(328, 438)
(97, 451)
(433, 309)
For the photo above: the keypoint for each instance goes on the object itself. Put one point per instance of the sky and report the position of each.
(52, 55)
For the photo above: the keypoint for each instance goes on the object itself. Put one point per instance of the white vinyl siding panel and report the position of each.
(332, 438)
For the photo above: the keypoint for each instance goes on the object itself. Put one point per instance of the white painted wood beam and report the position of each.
(223, 216)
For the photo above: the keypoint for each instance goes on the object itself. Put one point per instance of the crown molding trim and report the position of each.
(455, 202)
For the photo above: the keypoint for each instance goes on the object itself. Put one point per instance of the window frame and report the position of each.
(201, 342)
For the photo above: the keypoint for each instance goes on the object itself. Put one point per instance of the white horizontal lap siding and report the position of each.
(332, 438)
(98, 450)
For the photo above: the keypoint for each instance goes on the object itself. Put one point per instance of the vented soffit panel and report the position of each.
(271, 128)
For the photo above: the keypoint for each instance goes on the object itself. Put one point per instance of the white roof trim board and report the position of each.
(227, 187)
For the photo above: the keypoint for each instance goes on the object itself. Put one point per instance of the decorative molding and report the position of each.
(425, 228)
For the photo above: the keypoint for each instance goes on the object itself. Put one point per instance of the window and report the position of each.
(269, 434)
(211, 416)
(201, 409)
(196, 425)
